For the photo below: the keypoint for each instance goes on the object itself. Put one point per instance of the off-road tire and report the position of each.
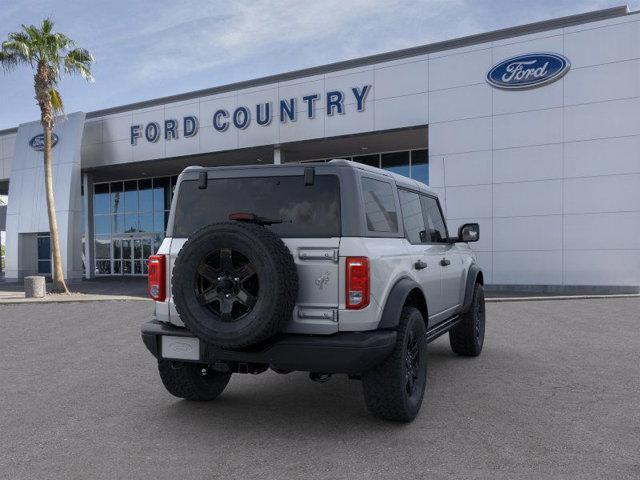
(385, 386)
(467, 337)
(192, 381)
(275, 270)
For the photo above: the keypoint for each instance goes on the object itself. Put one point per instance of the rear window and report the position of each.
(380, 206)
(306, 211)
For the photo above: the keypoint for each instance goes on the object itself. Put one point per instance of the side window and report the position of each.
(436, 229)
(380, 206)
(412, 216)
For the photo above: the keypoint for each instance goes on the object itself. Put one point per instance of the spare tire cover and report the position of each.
(234, 284)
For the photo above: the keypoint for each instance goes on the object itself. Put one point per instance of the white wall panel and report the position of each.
(212, 104)
(527, 198)
(601, 120)
(509, 101)
(613, 193)
(472, 168)
(543, 42)
(255, 135)
(436, 171)
(602, 231)
(459, 69)
(540, 162)
(602, 267)
(92, 132)
(402, 79)
(302, 129)
(460, 103)
(212, 140)
(542, 232)
(299, 89)
(602, 157)
(117, 152)
(345, 82)
(527, 128)
(527, 268)
(485, 261)
(603, 45)
(8, 146)
(460, 136)
(91, 155)
(407, 111)
(599, 83)
(117, 127)
(469, 202)
(352, 121)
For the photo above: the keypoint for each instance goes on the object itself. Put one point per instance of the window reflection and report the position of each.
(396, 162)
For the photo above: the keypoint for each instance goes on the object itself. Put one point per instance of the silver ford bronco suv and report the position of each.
(327, 268)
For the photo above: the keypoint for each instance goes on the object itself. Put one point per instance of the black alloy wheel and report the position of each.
(227, 284)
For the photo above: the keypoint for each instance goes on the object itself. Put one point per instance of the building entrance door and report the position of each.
(130, 254)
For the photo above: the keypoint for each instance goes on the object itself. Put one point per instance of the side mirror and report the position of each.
(469, 232)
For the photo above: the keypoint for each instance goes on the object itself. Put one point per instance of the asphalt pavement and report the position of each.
(555, 394)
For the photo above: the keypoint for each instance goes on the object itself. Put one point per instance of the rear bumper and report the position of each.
(343, 352)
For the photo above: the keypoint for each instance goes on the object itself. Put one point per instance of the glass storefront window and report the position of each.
(396, 162)
(101, 198)
(161, 193)
(127, 213)
(102, 250)
(371, 160)
(146, 222)
(145, 195)
(131, 223)
(131, 196)
(118, 223)
(116, 197)
(102, 224)
(420, 166)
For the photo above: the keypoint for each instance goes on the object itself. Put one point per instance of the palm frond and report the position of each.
(79, 60)
(56, 101)
(47, 25)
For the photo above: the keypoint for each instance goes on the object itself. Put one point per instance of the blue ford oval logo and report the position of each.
(528, 71)
(37, 142)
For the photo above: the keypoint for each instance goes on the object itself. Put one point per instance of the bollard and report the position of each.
(34, 287)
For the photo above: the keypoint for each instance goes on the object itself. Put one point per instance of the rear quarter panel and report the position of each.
(389, 261)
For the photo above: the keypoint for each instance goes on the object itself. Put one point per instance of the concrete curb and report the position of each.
(73, 298)
(559, 297)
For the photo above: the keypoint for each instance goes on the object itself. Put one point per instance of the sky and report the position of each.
(149, 49)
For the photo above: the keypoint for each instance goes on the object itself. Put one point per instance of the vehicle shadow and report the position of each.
(293, 404)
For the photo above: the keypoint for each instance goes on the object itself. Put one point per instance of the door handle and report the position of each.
(419, 265)
(445, 261)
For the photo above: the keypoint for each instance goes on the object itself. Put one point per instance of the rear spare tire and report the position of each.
(234, 284)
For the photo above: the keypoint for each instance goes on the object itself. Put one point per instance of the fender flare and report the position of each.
(396, 300)
(472, 276)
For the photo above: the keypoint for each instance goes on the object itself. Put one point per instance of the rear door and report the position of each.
(445, 254)
(425, 257)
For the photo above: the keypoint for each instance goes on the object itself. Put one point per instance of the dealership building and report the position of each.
(532, 131)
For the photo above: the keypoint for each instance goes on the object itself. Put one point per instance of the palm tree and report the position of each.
(47, 53)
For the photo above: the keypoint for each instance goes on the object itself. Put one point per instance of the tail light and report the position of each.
(357, 276)
(157, 277)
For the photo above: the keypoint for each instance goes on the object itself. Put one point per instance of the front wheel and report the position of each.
(394, 389)
(192, 381)
(467, 337)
